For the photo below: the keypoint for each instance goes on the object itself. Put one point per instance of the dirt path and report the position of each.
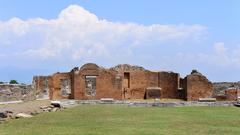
(25, 107)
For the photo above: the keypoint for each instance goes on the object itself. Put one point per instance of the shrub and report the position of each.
(13, 82)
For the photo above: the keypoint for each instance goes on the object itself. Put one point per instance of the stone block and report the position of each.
(207, 100)
(153, 93)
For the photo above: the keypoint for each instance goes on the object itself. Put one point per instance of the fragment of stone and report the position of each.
(55, 109)
(35, 112)
(56, 104)
(3, 115)
(23, 115)
(44, 107)
(48, 109)
(10, 114)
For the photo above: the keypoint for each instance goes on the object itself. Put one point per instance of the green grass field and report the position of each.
(123, 120)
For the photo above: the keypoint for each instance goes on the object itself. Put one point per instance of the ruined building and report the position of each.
(16, 92)
(91, 82)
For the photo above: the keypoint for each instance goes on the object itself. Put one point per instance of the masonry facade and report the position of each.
(91, 82)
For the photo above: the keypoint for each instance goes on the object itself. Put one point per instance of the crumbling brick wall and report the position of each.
(139, 80)
(40, 85)
(124, 82)
(108, 83)
(232, 94)
(57, 86)
(169, 84)
(198, 86)
(137, 86)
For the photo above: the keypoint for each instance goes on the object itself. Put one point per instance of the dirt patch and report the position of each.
(25, 107)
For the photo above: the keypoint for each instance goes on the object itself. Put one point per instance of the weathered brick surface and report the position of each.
(198, 86)
(220, 97)
(107, 83)
(92, 82)
(55, 85)
(169, 84)
(232, 94)
(40, 86)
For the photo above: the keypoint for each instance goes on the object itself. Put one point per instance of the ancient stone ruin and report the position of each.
(91, 82)
(16, 92)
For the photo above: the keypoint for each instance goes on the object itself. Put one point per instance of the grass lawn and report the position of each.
(123, 120)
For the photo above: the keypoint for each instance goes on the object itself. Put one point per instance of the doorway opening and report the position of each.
(126, 82)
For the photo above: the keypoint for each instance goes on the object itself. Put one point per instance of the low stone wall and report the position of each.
(16, 92)
(156, 103)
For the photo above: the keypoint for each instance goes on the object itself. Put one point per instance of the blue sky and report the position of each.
(43, 37)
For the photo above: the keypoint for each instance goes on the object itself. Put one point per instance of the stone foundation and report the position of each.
(156, 103)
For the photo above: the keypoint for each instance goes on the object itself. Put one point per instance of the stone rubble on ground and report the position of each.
(50, 108)
(64, 103)
(7, 115)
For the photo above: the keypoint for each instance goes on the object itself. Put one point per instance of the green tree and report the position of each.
(13, 82)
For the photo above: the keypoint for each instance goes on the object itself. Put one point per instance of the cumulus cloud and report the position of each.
(78, 34)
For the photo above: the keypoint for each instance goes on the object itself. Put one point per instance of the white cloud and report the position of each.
(78, 34)
(219, 56)
(220, 48)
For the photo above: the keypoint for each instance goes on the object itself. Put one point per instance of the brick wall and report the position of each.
(232, 94)
(108, 83)
(55, 86)
(198, 86)
(124, 82)
(169, 83)
(41, 86)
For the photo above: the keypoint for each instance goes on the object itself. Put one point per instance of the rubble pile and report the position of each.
(7, 115)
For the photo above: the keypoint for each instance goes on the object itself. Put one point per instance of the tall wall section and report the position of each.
(60, 86)
(169, 84)
(198, 86)
(93, 82)
(40, 85)
(135, 80)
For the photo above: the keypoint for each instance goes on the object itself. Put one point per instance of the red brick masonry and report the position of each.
(122, 82)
